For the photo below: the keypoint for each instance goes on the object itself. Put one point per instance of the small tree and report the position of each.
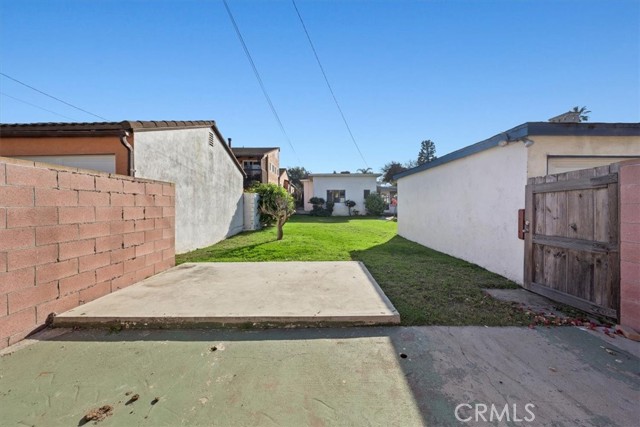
(350, 204)
(276, 205)
(427, 152)
(375, 204)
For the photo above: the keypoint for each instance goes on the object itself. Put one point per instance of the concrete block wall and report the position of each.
(69, 236)
(629, 177)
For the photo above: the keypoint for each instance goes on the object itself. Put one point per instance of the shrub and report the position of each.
(319, 211)
(329, 207)
(320, 208)
(350, 204)
(374, 204)
(316, 201)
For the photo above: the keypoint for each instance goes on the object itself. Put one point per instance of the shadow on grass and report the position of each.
(220, 253)
(307, 219)
(303, 219)
(428, 287)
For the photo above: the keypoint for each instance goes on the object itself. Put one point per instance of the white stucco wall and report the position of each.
(468, 208)
(307, 193)
(209, 202)
(353, 184)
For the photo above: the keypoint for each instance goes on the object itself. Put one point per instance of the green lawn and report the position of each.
(427, 287)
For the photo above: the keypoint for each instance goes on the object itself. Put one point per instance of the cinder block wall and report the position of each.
(629, 177)
(69, 236)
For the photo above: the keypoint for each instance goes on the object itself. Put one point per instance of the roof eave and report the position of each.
(228, 149)
(531, 129)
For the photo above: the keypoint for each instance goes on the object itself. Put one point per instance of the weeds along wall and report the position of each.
(69, 236)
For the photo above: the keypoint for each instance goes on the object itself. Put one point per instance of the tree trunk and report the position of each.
(280, 232)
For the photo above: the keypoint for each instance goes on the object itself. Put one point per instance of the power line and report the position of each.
(257, 74)
(53, 97)
(35, 106)
(344, 119)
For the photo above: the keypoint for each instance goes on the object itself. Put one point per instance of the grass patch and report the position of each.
(427, 287)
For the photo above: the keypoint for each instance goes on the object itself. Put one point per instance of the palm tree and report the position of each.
(367, 170)
(582, 112)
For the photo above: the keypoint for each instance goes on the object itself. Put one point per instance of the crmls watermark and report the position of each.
(489, 413)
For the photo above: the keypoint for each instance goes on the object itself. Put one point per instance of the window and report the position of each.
(366, 194)
(251, 165)
(336, 196)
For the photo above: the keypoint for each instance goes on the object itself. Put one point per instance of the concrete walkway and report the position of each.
(321, 377)
(264, 294)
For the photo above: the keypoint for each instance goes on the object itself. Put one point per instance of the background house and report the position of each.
(339, 187)
(388, 193)
(283, 180)
(260, 164)
(191, 154)
(466, 203)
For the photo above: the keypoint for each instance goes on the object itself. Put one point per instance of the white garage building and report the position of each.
(466, 203)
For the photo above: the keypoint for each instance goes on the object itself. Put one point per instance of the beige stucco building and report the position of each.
(466, 203)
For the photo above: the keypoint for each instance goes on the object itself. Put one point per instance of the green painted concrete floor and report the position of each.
(319, 377)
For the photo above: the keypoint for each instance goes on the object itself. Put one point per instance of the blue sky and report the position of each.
(455, 72)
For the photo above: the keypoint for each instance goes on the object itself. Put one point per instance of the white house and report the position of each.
(338, 188)
(466, 203)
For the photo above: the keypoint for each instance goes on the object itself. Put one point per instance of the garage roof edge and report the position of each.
(530, 129)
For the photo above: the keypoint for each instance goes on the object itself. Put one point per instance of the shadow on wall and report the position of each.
(237, 220)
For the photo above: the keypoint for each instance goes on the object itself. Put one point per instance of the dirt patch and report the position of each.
(97, 414)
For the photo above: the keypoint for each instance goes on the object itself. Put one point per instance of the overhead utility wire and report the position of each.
(35, 106)
(344, 119)
(257, 74)
(53, 97)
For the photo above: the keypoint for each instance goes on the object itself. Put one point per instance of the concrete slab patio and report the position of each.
(320, 377)
(263, 294)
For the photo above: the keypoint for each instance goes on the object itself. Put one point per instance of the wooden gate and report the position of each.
(571, 243)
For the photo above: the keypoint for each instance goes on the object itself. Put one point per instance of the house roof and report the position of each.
(530, 129)
(347, 175)
(109, 128)
(39, 129)
(253, 151)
